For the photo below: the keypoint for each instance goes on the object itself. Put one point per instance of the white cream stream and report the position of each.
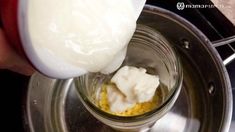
(72, 37)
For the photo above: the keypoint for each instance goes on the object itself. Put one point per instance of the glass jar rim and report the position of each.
(151, 33)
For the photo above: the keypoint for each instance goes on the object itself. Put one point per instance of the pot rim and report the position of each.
(227, 115)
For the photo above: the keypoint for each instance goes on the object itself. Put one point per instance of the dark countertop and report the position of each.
(14, 87)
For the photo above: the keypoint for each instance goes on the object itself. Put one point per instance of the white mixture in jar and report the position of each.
(133, 85)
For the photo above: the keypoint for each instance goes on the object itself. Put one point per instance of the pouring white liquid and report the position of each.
(73, 37)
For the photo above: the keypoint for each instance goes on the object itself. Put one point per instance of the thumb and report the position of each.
(9, 59)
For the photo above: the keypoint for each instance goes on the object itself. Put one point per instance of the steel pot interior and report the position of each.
(204, 104)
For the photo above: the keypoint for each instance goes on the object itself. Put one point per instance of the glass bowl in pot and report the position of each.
(147, 49)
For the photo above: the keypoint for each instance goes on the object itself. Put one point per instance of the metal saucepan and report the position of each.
(204, 104)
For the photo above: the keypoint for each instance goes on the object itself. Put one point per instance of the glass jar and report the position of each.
(147, 49)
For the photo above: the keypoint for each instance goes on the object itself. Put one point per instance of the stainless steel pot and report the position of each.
(204, 104)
